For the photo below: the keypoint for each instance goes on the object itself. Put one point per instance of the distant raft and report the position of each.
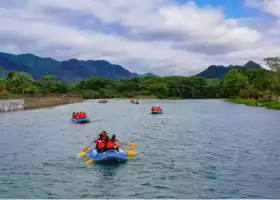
(81, 121)
(134, 101)
(103, 101)
(156, 112)
(108, 157)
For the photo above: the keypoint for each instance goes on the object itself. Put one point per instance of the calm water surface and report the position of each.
(197, 149)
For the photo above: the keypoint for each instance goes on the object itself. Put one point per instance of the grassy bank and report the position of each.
(275, 105)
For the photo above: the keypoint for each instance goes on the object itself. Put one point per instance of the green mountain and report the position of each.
(147, 75)
(69, 71)
(219, 71)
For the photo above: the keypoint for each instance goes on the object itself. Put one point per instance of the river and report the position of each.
(196, 149)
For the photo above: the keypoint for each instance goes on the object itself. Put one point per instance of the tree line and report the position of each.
(239, 82)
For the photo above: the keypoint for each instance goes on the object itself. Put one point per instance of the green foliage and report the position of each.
(273, 63)
(23, 83)
(176, 87)
(244, 94)
(246, 83)
(2, 73)
(17, 82)
(233, 82)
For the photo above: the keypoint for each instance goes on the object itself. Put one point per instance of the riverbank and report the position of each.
(136, 98)
(44, 101)
(274, 105)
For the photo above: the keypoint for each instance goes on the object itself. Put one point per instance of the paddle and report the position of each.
(85, 150)
(148, 112)
(89, 161)
(130, 152)
(131, 144)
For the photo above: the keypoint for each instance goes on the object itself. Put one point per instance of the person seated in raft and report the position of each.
(77, 116)
(153, 108)
(110, 145)
(101, 142)
(82, 115)
(73, 115)
(118, 145)
(102, 137)
(106, 135)
(100, 146)
(158, 109)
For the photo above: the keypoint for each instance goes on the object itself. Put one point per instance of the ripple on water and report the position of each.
(196, 149)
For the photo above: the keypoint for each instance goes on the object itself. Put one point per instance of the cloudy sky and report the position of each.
(166, 37)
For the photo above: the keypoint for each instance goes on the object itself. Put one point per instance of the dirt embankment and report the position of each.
(33, 103)
(46, 100)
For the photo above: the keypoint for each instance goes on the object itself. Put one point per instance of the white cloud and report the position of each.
(268, 6)
(143, 36)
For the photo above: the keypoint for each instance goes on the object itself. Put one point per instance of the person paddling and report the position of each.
(118, 145)
(100, 146)
(101, 141)
(110, 145)
(102, 136)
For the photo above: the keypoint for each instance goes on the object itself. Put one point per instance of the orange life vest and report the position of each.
(100, 145)
(82, 115)
(110, 144)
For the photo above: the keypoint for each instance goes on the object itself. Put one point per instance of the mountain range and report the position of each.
(69, 71)
(219, 71)
(74, 70)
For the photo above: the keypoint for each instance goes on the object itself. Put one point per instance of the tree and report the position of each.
(48, 83)
(273, 63)
(233, 82)
(18, 81)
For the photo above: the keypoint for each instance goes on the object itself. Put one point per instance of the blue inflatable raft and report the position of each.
(108, 157)
(156, 112)
(81, 121)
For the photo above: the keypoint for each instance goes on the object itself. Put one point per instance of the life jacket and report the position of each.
(73, 115)
(100, 145)
(77, 116)
(82, 115)
(110, 145)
